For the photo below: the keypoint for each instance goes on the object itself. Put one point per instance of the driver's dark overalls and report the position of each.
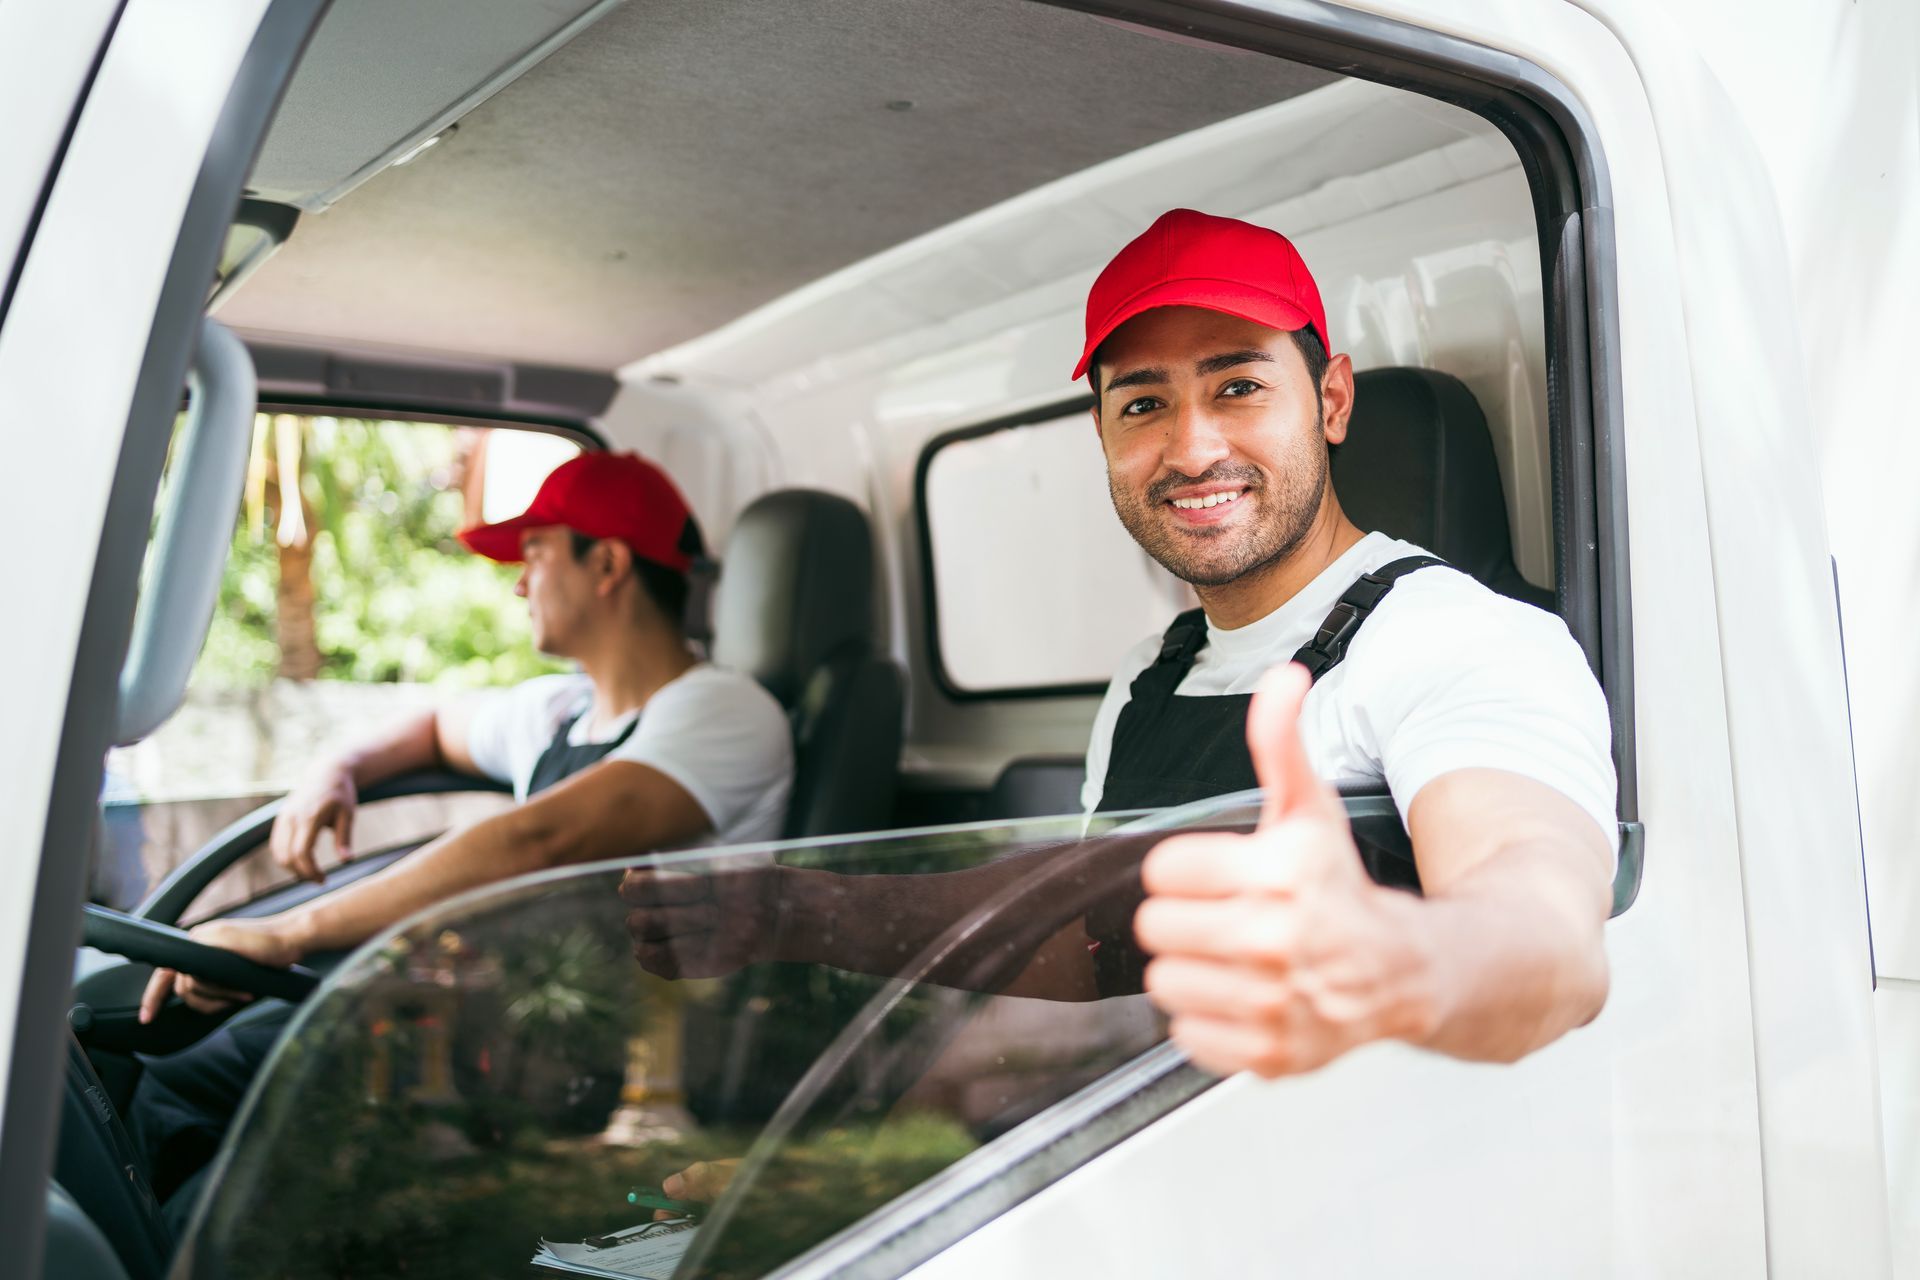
(1169, 750)
(185, 1101)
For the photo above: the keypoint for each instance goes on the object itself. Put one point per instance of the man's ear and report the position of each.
(616, 565)
(1095, 411)
(1336, 398)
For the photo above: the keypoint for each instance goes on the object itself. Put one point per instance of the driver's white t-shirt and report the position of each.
(1445, 674)
(716, 732)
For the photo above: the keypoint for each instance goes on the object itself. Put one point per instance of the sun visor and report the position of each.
(363, 98)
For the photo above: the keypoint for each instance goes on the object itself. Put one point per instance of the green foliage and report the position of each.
(397, 598)
(568, 984)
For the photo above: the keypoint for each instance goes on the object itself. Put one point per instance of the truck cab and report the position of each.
(294, 289)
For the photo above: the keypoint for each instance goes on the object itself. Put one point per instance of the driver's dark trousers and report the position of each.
(184, 1103)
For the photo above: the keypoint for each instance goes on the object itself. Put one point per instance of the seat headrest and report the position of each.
(1418, 464)
(796, 589)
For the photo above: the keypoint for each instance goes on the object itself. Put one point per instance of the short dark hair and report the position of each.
(1311, 349)
(667, 588)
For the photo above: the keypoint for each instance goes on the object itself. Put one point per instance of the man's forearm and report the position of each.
(494, 849)
(1510, 958)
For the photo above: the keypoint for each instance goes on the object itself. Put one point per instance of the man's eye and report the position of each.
(1240, 387)
(1134, 408)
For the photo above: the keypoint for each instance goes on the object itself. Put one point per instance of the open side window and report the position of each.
(1496, 446)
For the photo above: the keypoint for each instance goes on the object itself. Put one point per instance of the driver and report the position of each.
(647, 747)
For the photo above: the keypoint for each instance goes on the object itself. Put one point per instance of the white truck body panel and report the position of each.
(70, 352)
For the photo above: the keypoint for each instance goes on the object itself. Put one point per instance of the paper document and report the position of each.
(649, 1251)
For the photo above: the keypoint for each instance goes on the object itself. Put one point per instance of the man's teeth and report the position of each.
(1211, 500)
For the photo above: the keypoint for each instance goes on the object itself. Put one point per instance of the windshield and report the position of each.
(762, 1046)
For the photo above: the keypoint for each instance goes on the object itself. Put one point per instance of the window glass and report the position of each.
(346, 602)
(809, 1038)
(1019, 603)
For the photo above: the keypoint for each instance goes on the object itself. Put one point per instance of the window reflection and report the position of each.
(509, 1072)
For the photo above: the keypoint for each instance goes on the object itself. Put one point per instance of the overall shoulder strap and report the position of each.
(1324, 652)
(562, 735)
(1185, 636)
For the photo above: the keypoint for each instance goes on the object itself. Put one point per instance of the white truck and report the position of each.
(1642, 275)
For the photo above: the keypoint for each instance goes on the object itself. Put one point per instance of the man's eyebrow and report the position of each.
(1228, 359)
(1137, 378)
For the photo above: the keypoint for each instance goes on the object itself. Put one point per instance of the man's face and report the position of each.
(558, 588)
(1216, 446)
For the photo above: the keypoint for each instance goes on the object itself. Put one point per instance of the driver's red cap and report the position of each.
(603, 495)
(1190, 259)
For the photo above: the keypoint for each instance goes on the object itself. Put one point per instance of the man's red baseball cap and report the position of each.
(1191, 259)
(603, 495)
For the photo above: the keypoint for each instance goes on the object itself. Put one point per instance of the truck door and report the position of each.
(128, 135)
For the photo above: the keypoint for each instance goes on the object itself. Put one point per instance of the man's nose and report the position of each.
(1194, 442)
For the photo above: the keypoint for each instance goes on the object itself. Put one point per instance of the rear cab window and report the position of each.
(1008, 620)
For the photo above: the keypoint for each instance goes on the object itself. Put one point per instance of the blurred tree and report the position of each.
(362, 578)
(293, 534)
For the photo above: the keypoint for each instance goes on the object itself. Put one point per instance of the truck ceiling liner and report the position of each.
(681, 162)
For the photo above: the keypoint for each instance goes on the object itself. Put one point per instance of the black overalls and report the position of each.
(562, 759)
(1170, 750)
(185, 1101)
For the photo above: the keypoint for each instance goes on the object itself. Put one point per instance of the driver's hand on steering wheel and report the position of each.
(324, 802)
(259, 939)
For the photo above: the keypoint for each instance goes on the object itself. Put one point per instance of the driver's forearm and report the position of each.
(490, 850)
(1514, 957)
(410, 745)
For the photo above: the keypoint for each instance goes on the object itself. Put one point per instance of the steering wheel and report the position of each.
(166, 947)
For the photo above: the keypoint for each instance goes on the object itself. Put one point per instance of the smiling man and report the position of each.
(1218, 406)
(1320, 654)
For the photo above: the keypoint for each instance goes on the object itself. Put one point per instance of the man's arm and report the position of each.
(614, 808)
(1519, 882)
(327, 797)
(1275, 952)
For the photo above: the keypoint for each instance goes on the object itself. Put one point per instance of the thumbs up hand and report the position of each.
(1274, 952)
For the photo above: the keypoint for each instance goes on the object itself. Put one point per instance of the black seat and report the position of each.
(1418, 464)
(794, 609)
(1036, 787)
(96, 1164)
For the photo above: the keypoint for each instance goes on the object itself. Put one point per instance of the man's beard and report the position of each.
(1214, 555)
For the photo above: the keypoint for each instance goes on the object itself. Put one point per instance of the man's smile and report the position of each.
(1205, 504)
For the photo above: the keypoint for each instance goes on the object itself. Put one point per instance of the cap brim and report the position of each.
(501, 541)
(1225, 296)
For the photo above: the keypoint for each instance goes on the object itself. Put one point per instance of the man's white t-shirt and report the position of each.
(715, 732)
(1445, 674)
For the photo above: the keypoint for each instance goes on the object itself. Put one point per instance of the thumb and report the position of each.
(1280, 761)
